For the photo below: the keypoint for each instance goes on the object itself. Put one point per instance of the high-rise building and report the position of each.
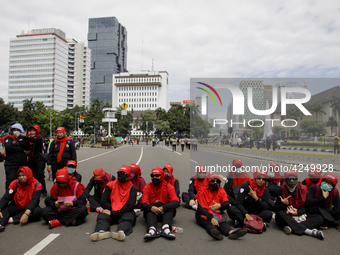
(38, 68)
(107, 39)
(141, 90)
(48, 68)
(291, 95)
(79, 74)
(268, 95)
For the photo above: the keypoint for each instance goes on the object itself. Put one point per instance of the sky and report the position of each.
(196, 38)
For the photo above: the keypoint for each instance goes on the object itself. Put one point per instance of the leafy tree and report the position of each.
(331, 123)
(312, 127)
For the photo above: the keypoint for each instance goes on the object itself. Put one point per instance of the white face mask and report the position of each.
(238, 170)
(271, 175)
(16, 133)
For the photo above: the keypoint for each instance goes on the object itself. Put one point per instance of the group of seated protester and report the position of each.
(297, 208)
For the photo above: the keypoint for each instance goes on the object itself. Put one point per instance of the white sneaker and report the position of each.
(287, 230)
(10, 220)
(97, 236)
(120, 236)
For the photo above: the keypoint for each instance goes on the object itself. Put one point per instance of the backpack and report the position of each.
(256, 226)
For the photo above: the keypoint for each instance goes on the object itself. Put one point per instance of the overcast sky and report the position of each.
(195, 38)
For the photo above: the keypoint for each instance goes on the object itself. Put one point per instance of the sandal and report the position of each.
(169, 235)
(149, 235)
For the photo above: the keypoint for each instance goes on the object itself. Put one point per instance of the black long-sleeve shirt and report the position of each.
(228, 186)
(105, 201)
(69, 153)
(192, 189)
(50, 201)
(91, 184)
(15, 154)
(279, 206)
(38, 146)
(246, 204)
(312, 201)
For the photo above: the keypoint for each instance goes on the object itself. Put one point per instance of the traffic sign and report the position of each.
(124, 106)
(109, 120)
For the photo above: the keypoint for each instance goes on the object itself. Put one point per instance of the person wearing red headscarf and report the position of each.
(99, 181)
(195, 184)
(62, 149)
(66, 203)
(118, 202)
(159, 202)
(235, 179)
(323, 199)
(274, 182)
(252, 199)
(139, 182)
(314, 177)
(289, 207)
(15, 150)
(72, 170)
(212, 201)
(35, 158)
(169, 177)
(20, 203)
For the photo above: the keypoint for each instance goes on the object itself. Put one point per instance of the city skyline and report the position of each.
(197, 39)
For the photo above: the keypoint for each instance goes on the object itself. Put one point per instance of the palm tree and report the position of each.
(331, 123)
(28, 105)
(97, 105)
(335, 105)
(317, 109)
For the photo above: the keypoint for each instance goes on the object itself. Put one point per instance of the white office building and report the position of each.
(141, 90)
(291, 95)
(79, 74)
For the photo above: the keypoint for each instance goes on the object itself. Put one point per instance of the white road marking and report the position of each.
(193, 161)
(178, 153)
(98, 155)
(140, 158)
(171, 150)
(42, 244)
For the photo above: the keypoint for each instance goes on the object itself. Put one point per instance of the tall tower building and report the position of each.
(38, 68)
(107, 39)
(291, 95)
(79, 74)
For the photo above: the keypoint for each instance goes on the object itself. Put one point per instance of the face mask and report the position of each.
(156, 181)
(326, 187)
(122, 176)
(71, 170)
(271, 175)
(167, 176)
(16, 133)
(214, 186)
(238, 170)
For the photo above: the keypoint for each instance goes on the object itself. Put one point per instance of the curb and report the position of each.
(306, 149)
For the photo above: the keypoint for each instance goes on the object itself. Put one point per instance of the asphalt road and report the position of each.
(194, 240)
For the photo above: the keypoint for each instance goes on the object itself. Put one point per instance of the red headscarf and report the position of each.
(62, 143)
(277, 178)
(238, 179)
(24, 191)
(138, 180)
(120, 191)
(199, 183)
(101, 178)
(298, 200)
(163, 193)
(37, 134)
(170, 180)
(332, 194)
(253, 185)
(62, 176)
(315, 171)
(207, 196)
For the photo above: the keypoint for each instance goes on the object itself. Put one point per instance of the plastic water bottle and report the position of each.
(177, 230)
(194, 207)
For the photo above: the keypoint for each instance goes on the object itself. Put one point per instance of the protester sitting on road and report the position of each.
(35, 160)
(314, 177)
(290, 211)
(138, 181)
(274, 182)
(195, 184)
(15, 151)
(159, 202)
(168, 176)
(212, 201)
(323, 199)
(235, 179)
(118, 201)
(61, 150)
(66, 203)
(99, 181)
(252, 199)
(20, 203)
(72, 170)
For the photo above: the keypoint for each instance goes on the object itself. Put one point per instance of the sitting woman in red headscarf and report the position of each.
(290, 210)
(314, 177)
(195, 184)
(159, 202)
(20, 203)
(99, 181)
(118, 202)
(274, 182)
(72, 170)
(138, 181)
(252, 199)
(235, 179)
(169, 177)
(323, 199)
(212, 201)
(66, 204)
